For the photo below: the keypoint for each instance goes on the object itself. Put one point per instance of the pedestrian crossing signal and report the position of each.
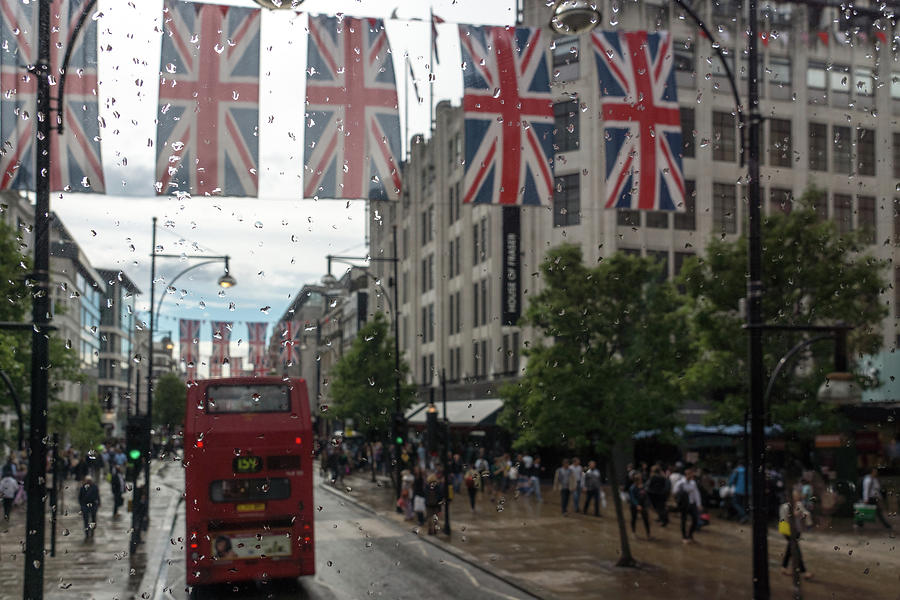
(134, 454)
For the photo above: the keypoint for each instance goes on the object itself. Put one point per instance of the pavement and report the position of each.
(533, 547)
(101, 568)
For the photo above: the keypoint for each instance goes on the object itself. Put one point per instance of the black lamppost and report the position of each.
(398, 420)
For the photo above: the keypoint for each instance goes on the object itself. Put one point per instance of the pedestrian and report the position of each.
(9, 487)
(561, 481)
(434, 497)
(117, 485)
(575, 483)
(639, 503)
(738, 483)
(419, 495)
(687, 497)
(658, 490)
(89, 499)
(792, 518)
(9, 467)
(484, 469)
(535, 473)
(471, 480)
(591, 485)
(872, 494)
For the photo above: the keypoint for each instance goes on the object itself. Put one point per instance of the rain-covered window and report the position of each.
(565, 133)
(688, 147)
(724, 208)
(865, 218)
(687, 220)
(566, 201)
(724, 136)
(843, 162)
(818, 146)
(865, 151)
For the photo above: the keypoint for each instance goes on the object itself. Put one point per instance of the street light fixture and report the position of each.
(575, 16)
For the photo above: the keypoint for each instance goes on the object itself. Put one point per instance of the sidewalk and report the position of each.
(98, 569)
(534, 546)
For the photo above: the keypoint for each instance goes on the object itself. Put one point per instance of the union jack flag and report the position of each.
(256, 342)
(508, 111)
(237, 366)
(291, 332)
(75, 163)
(639, 104)
(189, 333)
(353, 124)
(206, 139)
(221, 340)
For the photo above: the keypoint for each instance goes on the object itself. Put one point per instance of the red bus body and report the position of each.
(248, 460)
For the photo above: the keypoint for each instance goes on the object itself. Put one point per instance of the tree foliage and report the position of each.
(87, 431)
(615, 348)
(363, 380)
(169, 398)
(813, 275)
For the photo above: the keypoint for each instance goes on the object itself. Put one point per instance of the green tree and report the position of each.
(813, 275)
(363, 381)
(612, 346)
(87, 431)
(169, 398)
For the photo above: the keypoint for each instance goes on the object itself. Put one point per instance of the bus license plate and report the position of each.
(251, 507)
(231, 547)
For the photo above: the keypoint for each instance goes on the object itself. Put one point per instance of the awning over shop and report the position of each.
(460, 412)
(727, 430)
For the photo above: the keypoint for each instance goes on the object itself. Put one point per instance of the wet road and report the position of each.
(359, 555)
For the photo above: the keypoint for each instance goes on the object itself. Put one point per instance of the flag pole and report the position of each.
(431, 72)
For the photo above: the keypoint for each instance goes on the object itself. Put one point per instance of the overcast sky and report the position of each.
(279, 241)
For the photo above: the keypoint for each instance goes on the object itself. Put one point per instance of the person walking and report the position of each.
(535, 474)
(687, 496)
(738, 482)
(576, 481)
(561, 482)
(434, 498)
(117, 485)
(792, 518)
(9, 487)
(639, 502)
(591, 485)
(658, 490)
(89, 499)
(471, 479)
(871, 494)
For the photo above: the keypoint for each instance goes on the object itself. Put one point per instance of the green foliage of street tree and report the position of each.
(363, 381)
(15, 346)
(169, 398)
(87, 431)
(813, 275)
(612, 347)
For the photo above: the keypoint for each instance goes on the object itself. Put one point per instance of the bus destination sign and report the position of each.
(246, 464)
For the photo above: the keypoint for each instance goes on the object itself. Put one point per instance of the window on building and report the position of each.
(679, 260)
(475, 297)
(780, 201)
(817, 82)
(458, 312)
(565, 133)
(658, 15)
(658, 219)
(839, 85)
(896, 155)
(451, 258)
(431, 271)
(484, 302)
(424, 224)
(687, 220)
(485, 238)
(724, 208)
(688, 147)
(865, 218)
(475, 359)
(841, 143)
(820, 206)
(843, 212)
(628, 218)
(865, 152)
(424, 328)
(458, 255)
(451, 320)
(566, 201)
(818, 146)
(684, 59)
(476, 250)
(896, 221)
(780, 146)
(724, 136)
(863, 81)
(660, 257)
(565, 50)
(451, 204)
(431, 322)
(484, 358)
(405, 279)
(780, 83)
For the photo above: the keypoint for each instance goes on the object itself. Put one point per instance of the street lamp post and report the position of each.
(398, 419)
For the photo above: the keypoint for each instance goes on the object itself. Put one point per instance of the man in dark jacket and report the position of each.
(89, 499)
(117, 484)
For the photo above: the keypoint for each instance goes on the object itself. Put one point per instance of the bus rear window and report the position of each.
(247, 398)
(250, 490)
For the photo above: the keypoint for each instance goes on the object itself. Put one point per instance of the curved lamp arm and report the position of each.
(177, 277)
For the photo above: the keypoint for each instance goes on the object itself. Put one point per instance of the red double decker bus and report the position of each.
(248, 481)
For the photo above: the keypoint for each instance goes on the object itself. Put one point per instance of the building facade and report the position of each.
(830, 121)
(115, 383)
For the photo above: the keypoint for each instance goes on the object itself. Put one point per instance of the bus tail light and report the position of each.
(298, 440)
(306, 541)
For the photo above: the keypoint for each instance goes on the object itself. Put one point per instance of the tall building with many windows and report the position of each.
(830, 102)
(115, 383)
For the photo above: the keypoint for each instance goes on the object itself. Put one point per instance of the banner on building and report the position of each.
(352, 121)
(75, 162)
(256, 343)
(508, 112)
(189, 338)
(290, 344)
(641, 119)
(511, 291)
(207, 139)
(236, 364)
(221, 343)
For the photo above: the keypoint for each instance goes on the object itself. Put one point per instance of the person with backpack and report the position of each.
(687, 497)
(658, 490)
(89, 500)
(9, 487)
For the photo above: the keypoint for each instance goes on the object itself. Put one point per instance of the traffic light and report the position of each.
(137, 434)
(399, 429)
